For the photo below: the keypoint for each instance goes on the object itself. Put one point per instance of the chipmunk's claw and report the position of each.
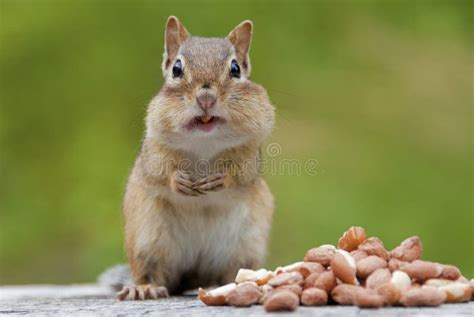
(142, 292)
(184, 185)
(213, 182)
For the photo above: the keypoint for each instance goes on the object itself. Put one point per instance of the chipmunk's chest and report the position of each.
(209, 238)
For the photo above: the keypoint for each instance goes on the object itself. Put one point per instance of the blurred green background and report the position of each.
(379, 92)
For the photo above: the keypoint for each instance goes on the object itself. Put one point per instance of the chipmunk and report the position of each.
(196, 208)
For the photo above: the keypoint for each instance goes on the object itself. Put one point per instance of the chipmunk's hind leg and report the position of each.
(148, 279)
(146, 287)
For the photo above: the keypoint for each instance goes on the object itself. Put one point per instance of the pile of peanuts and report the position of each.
(360, 272)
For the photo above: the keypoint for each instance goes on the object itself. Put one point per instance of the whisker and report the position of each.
(283, 93)
(283, 116)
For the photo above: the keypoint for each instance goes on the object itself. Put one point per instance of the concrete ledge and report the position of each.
(80, 300)
(18, 292)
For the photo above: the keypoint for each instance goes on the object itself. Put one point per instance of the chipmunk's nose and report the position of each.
(206, 100)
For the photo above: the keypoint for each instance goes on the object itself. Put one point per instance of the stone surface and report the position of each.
(82, 300)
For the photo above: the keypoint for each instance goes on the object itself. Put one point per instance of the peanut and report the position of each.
(394, 264)
(295, 288)
(409, 250)
(344, 293)
(422, 270)
(374, 246)
(322, 254)
(280, 300)
(367, 266)
(326, 281)
(310, 280)
(358, 255)
(308, 268)
(286, 278)
(423, 296)
(351, 239)
(288, 268)
(471, 284)
(450, 272)
(261, 276)
(245, 294)
(265, 289)
(389, 292)
(377, 278)
(314, 297)
(437, 282)
(400, 280)
(368, 299)
(216, 297)
(305, 268)
(344, 267)
(457, 292)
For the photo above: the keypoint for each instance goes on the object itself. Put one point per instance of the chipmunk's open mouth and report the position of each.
(204, 123)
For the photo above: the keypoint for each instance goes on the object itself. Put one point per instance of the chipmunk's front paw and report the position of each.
(142, 292)
(213, 182)
(181, 183)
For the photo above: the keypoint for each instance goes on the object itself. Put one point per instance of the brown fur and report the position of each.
(181, 241)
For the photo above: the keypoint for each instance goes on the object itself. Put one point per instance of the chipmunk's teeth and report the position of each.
(205, 119)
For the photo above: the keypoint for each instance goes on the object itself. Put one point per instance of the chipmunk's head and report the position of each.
(207, 99)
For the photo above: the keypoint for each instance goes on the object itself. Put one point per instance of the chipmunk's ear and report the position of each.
(175, 35)
(241, 37)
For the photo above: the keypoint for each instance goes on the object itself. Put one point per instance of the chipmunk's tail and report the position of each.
(116, 277)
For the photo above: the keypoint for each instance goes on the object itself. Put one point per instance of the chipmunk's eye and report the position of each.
(178, 69)
(234, 69)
